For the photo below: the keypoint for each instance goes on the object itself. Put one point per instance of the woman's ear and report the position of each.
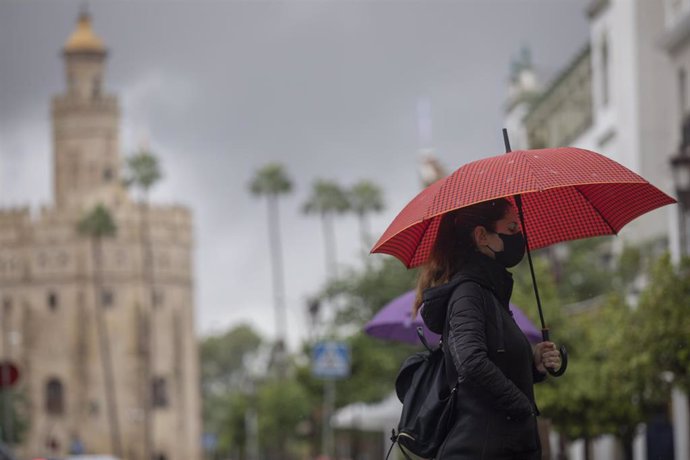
(479, 235)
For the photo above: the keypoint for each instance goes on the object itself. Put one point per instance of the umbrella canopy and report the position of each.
(394, 322)
(567, 194)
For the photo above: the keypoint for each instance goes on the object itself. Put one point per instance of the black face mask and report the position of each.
(513, 249)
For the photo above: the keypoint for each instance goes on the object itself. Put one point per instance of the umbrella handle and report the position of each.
(564, 356)
(564, 363)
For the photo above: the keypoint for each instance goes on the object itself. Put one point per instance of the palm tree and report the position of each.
(327, 199)
(96, 225)
(142, 171)
(365, 198)
(271, 181)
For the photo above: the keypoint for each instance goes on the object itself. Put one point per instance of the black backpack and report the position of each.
(426, 385)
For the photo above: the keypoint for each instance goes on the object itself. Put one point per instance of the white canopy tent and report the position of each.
(382, 416)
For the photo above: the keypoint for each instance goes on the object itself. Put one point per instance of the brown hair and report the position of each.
(455, 243)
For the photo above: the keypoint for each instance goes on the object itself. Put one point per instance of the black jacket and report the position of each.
(496, 413)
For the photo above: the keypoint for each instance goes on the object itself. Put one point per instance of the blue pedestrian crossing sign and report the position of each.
(330, 360)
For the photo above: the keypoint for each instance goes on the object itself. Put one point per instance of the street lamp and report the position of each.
(680, 166)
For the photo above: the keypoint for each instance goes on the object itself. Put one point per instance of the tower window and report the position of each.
(96, 87)
(94, 408)
(159, 392)
(107, 298)
(55, 398)
(52, 301)
(157, 298)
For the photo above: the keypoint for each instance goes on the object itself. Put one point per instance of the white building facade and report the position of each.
(625, 95)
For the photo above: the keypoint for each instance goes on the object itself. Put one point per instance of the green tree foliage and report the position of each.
(660, 340)
(97, 224)
(142, 171)
(327, 199)
(283, 407)
(603, 390)
(271, 180)
(586, 272)
(524, 297)
(618, 354)
(222, 358)
(365, 197)
(224, 383)
(230, 424)
(18, 411)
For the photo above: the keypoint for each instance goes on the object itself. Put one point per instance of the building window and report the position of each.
(604, 71)
(52, 301)
(159, 390)
(161, 457)
(55, 403)
(108, 174)
(157, 297)
(682, 92)
(94, 408)
(107, 298)
(96, 87)
(7, 305)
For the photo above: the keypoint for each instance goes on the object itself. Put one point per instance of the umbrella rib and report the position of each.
(596, 209)
(540, 187)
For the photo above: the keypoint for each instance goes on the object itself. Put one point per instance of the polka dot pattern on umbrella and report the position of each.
(568, 194)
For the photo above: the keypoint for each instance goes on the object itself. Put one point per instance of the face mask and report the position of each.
(513, 249)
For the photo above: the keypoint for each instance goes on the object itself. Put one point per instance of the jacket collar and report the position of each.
(479, 268)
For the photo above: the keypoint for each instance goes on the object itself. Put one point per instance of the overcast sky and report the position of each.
(328, 88)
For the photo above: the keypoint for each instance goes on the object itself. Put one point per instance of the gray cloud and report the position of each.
(329, 88)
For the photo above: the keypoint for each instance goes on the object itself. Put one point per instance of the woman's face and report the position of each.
(489, 242)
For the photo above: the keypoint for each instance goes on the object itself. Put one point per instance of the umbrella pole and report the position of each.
(544, 329)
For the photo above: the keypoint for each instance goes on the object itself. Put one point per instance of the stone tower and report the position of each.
(54, 294)
(85, 124)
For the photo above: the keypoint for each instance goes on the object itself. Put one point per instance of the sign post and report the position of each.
(330, 362)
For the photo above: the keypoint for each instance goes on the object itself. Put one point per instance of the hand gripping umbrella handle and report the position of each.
(564, 356)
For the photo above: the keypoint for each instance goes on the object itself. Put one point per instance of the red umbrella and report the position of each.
(567, 194)
(561, 194)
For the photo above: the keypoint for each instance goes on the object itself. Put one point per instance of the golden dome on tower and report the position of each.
(83, 39)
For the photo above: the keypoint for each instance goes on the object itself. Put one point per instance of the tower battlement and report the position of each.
(15, 216)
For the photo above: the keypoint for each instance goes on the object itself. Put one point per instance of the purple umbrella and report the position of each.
(394, 322)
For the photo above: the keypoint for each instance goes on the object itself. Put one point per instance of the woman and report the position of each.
(465, 289)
